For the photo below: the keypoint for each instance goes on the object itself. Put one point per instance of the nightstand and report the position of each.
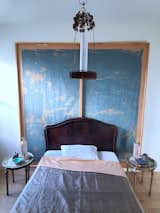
(9, 164)
(150, 165)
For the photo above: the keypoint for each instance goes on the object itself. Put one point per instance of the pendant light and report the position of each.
(83, 22)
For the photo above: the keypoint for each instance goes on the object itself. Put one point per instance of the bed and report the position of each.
(73, 180)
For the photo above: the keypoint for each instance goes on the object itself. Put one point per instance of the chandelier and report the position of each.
(83, 22)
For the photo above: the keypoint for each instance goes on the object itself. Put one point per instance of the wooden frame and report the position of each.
(133, 46)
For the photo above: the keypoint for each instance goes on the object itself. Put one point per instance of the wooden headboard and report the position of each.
(85, 131)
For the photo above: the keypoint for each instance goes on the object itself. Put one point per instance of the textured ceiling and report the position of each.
(50, 11)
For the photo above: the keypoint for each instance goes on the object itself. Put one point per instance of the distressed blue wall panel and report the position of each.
(50, 96)
(113, 97)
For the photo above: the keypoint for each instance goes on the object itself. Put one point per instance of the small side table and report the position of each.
(150, 166)
(9, 164)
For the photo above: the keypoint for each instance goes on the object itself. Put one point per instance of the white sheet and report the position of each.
(102, 155)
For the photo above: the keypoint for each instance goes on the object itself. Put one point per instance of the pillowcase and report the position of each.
(86, 152)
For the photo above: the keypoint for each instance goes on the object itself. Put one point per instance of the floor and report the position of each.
(151, 204)
(6, 202)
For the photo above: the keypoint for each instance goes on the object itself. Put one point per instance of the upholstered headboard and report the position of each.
(85, 131)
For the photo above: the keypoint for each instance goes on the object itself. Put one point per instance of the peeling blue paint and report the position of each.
(50, 96)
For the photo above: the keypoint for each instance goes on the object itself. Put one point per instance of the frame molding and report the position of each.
(132, 46)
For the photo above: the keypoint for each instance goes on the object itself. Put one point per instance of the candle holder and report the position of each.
(24, 148)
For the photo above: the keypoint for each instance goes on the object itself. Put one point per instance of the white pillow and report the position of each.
(86, 152)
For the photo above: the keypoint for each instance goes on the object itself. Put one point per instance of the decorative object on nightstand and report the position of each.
(17, 162)
(142, 164)
(136, 150)
(24, 148)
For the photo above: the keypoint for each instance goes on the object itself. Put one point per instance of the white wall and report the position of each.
(9, 115)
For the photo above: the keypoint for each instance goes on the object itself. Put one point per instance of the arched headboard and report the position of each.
(85, 131)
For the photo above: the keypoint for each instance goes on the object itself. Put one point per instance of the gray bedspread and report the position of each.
(61, 191)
